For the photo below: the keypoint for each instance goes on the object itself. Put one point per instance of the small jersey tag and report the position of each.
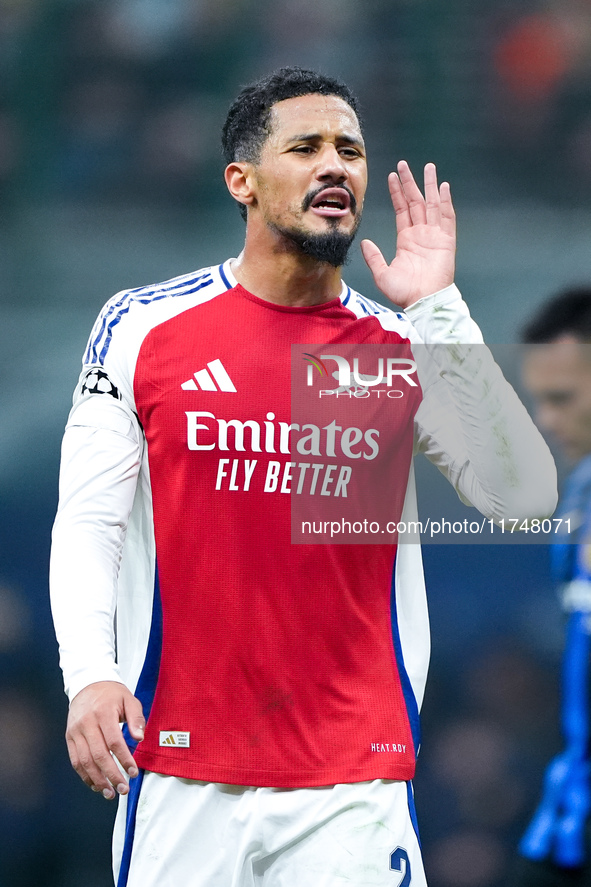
(175, 738)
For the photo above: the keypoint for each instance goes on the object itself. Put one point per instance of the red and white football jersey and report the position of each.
(257, 661)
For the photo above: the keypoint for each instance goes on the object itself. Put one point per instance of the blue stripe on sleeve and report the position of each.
(144, 296)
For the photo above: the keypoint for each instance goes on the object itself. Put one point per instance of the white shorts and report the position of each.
(171, 832)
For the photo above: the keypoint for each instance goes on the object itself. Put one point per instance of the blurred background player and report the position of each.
(557, 373)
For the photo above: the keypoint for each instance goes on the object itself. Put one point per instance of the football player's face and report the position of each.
(312, 172)
(558, 376)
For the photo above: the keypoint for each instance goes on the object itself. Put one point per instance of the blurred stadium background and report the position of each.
(110, 177)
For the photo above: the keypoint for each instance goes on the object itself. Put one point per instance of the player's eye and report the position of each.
(303, 149)
(349, 153)
(560, 398)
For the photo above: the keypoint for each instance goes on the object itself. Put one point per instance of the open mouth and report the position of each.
(331, 203)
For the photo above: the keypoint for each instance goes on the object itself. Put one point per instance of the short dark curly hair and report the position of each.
(568, 313)
(247, 125)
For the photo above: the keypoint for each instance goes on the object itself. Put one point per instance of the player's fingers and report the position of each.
(432, 198)
(77, 765)
(373, 257)
(103, 769)
(399, 202)
(116, 744)
(87, 768)
(412, 192)
(134, 716)
(448, 215)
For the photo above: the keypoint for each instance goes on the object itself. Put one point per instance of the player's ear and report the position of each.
(240, 182)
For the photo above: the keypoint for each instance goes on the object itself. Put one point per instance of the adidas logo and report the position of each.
(175, 738)
(203, 380)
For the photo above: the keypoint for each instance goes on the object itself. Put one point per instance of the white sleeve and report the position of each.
(471, 424)
(101, 455)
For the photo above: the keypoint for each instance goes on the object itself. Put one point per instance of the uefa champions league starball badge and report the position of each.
(98, 382)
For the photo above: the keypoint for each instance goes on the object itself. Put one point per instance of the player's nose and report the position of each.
(331, 166)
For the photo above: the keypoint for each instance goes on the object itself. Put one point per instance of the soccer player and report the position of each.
(556, 846)
(270, 691)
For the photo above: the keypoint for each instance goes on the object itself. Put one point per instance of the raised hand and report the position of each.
(425, 239)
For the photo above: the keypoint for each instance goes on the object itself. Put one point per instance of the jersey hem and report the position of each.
(271, 778)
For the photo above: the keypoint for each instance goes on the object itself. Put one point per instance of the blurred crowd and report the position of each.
(124, 98)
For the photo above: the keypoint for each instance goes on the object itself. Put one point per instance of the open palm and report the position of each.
(425, 239)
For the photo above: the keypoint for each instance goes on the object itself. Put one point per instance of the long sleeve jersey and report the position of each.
(259, 661)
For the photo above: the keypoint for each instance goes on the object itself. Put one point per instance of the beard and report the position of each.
(330, 247)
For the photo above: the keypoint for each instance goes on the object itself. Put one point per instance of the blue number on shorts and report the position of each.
(396, 858)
